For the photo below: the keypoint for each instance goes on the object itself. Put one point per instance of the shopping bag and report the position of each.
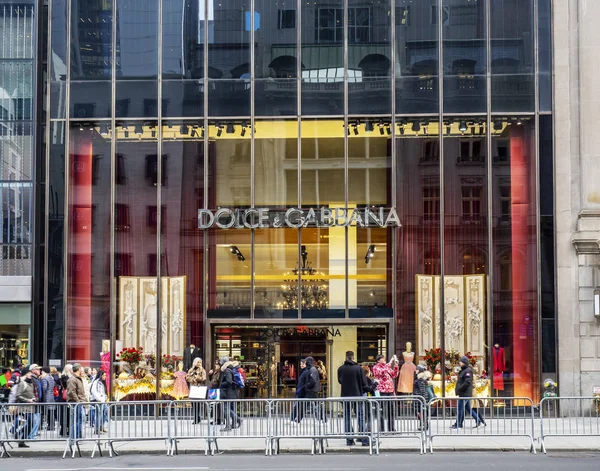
(214, 394)
(198, 392)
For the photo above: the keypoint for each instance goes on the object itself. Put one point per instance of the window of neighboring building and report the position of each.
(471, 201)
(505, 263)
(456, 15)
(505, 201)
(121, 217)
(502, 155)
(470, 150)
(431, 203)
(330, 25)
(287, 19)
(430, 151)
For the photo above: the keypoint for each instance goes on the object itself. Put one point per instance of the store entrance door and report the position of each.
(284, 364)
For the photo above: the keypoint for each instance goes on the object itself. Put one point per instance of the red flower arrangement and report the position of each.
(170, 361)
(433, 356)
(131, 355)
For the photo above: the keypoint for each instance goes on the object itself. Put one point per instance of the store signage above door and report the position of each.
(258, 218)
(298, 332)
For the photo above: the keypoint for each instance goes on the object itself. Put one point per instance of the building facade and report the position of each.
(228, 175)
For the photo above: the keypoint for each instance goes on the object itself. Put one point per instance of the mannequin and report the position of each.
(188, 356)
(285, 371)
(180, 388)
(499, 365)
(322, 370)
(273, 377)
(407, 372)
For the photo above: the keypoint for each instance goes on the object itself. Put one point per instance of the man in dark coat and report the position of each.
(354, 384)
(313, 388)
(298, 410)
(464, 389)
(229, 392)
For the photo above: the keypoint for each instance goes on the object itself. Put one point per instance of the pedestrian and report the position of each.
(47, 382)
(298, 409)
(76, 395)
(214, 378)
(64, 419)
(24, 394)
(228, 392)
(313, 388)
(36, 372)
(421, 388)
(464, 390)
(385, 373)
(370, 391)
(354, 385)
(99, 395)
(196, 376)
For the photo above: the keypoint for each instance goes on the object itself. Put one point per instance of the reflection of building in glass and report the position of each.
(158, 108)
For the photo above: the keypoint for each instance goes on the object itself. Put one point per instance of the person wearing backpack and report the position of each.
(48, 390)
(228, 391)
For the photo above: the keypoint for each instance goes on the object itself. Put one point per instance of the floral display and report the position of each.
(131, 355)
(170, 361)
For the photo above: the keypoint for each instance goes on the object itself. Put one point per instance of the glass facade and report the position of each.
(161, 108)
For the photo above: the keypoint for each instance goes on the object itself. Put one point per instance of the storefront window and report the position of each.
(514, 356)
(418, 253)
(88, 247)
(136, 256)
(465, 242)
(182, 243)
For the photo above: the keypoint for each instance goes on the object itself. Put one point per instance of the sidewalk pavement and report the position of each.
(463, 443)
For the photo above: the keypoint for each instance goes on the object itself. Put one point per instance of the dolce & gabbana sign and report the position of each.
(258, 218)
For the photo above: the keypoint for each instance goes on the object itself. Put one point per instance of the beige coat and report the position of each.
(76, 390)
(197, 374)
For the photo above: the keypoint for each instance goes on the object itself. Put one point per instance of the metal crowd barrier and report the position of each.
(569, 416)
(368, 420)
(505, 417)
(193, 419)
(107, 423)
(400, 417)
(248, 418)
(23, 423)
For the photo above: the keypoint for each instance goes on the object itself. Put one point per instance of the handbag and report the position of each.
(198, 392)
(214, 394)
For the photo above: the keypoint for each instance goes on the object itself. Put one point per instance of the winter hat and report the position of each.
(223, 360)
(421, 368)
(464, 360)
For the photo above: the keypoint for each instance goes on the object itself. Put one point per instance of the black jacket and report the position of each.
(352, 378)
(313, 380)
(228, 389)
(464, 384)
(188, 357)
(371, 386)
(301, 387)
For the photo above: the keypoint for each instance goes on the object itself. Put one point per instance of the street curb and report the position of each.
(333, 450)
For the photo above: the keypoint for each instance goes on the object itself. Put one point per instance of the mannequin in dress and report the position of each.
(180, 388)
(407, 372)
(499, 365)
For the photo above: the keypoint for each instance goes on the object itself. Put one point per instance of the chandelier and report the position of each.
(314, 292)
